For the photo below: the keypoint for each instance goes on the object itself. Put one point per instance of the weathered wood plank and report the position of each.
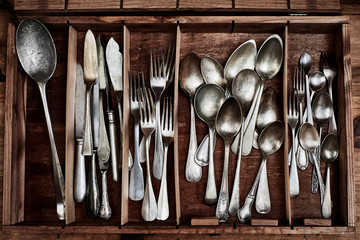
(39, 5)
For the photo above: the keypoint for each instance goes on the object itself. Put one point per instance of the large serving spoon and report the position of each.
(228, 123)
(37, 55)
(309, 140)
(244, 88)
(270, 140)
(329, 152)
(268, 63)
(190, 80)
(207, 101)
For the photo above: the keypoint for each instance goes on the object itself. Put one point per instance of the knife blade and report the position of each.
(80, 176)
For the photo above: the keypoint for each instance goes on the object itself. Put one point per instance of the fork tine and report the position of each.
(155, 65)
(163, 116)
(152, 105)
(141, 104)
(158, 63)
(294, 104)
(147, 105)
(163, 64)
(142, 79)
(295, 79)
(171, 114)
(151, 64)
(131, 87)
(167, 113)
(289, 103)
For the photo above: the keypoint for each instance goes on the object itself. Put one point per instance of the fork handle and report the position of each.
(159, 149)
(294, 179)
(163, 202)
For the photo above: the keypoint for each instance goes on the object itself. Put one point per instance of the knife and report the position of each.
(93, 197)
(80, 175)
(104, 146)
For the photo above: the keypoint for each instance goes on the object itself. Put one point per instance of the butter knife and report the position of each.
(80, 175)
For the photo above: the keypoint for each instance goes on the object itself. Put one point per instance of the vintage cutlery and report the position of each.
(80, 173)
(37, 54)
(190, 80)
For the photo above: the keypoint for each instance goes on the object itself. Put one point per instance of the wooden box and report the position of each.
(29, 200)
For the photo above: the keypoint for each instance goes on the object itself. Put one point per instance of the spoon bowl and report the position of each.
(212, 72)
(305, 62)
(322, 109)
(269, 110)
(309, 138)
(317, 81)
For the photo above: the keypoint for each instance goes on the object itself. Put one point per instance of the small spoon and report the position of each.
(270, 140)
(207, 101)
(309, 140)
(329, 153)
(190, 80)
(228, 123)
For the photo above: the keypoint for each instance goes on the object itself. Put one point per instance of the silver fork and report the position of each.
(168, 137)
(136, 185)
(158, 84)
(293, 119)
(328, 65)
(147, 123)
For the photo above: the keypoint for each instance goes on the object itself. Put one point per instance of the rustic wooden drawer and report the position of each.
(29, 200)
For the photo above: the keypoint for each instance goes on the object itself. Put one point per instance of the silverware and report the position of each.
(168, 137)
(80, 173)
(114, 63)
(228, 123)
(190, 80)
(208, 100)
(37, 54)
(90, 77)
(270, 140)
(147, 123)
(136, 185)
(329, 68)
(329, 153)
(272, 49)
(93, 194)
(293, 119)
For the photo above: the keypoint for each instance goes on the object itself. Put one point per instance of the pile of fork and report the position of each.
(304, 86)
(146, 113)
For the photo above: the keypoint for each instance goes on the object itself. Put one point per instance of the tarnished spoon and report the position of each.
(270, 140)
(228, 123)
(329, 152)
(37, 54)
(190, 80)
(207, 101)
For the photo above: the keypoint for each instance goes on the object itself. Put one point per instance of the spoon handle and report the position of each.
(223, 201)
(193, 172)
(332, 123)
(87, 138)
(321, 182)
(308, 101)
(262, 201)
(202, 152)
(326, 204)
(59, 181)
(211, 194)
(105, 210)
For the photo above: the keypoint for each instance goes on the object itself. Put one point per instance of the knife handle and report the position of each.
(80, 175)
(114, 146)
(93, 197)
(88, 141)
(121, 135)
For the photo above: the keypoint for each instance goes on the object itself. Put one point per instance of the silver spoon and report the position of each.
(309, 140)
(207, 101)
(268, 63)
(244, 88)
(190, 80)
(270, 140)
(228, 123)
(37, 54)
(329, 153)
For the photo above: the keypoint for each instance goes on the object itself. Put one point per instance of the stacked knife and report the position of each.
(94, 138)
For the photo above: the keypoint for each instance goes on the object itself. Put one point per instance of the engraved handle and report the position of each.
(104, 145)
(262, 201)
(59, 181)
(105, 210)
(294, 179)
(159, 149)
(114, 146)
(88, 141)
(193, 172)
(93, 201)
(80, 175)
(223, 201)
(211, 194)
(321, 182)
(326, 204)
(163, 202)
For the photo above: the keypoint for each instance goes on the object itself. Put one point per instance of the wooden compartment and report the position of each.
(213, 36)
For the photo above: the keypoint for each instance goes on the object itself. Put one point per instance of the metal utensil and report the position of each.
(37, 54)
(207, 101)
(190, 80)
(147, 123)
(329, 152)
(227, 124)
(244, 88)
(309, 140)
(268, 63)
(270, 140)
(329, 68)
(79, 173)
(90, 78)
(168, 137)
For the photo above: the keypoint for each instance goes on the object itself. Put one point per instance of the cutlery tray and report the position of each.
(29, 198)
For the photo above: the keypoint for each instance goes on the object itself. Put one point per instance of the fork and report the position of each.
(136, 185)
(328, 65)
(293, 119)
(168, 137)
(147, 123)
